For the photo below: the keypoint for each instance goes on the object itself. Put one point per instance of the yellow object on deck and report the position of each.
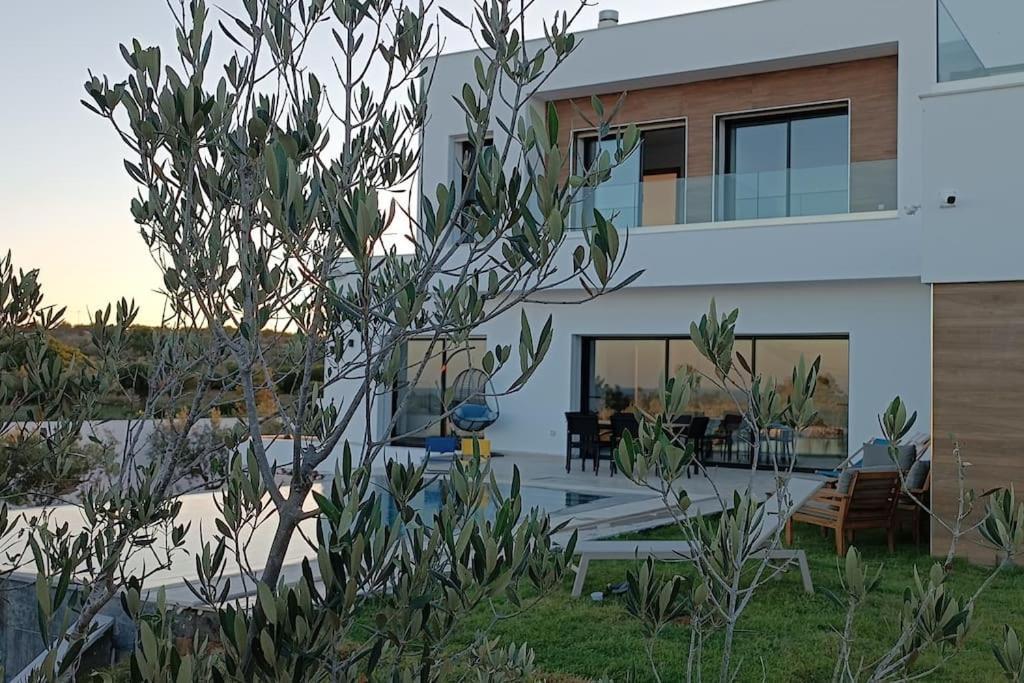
(483, 444)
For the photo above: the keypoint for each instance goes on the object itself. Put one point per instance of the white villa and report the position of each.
(845, 172)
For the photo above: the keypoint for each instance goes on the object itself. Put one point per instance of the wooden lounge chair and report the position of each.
(799, 491)
(870, 503)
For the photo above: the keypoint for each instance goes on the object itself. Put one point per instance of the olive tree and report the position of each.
(269, 192)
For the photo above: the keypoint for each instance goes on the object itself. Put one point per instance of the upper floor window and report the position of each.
(794, 163)
(978, 39)
(645, 189)
(465, 153)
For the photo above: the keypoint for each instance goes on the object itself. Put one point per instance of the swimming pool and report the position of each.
(200, 510)
(550, 500)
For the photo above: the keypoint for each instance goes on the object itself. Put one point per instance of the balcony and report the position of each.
(861, 187)
(979, 38)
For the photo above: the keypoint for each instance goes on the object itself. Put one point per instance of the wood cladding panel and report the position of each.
(977, 395)
(869, 84)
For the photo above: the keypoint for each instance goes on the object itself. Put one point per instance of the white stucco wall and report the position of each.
(888, 323)
(974, 145)
(732, 41)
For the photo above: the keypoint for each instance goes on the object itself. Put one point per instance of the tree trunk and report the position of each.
(287, 524)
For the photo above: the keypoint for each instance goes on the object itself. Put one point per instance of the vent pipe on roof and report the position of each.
(607, 17)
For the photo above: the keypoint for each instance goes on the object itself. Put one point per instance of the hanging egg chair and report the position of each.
(473, 406)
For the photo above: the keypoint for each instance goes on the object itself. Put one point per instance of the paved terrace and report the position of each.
(623, 507)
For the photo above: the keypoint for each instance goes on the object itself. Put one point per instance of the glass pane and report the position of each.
(419, 416)
(709, 400)
(978, 39)
(824, 443)
(820, 165)
(664, 150)
(756, 168)
(663, 153)
(623, 373)
(618, 198)
(463, 357)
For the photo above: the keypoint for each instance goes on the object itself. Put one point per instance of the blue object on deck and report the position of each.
(472, 416)
(441, 445)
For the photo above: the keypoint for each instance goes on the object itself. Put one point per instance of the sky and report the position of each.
(64, 194)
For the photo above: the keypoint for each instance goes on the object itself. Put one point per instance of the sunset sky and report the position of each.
(63, 191)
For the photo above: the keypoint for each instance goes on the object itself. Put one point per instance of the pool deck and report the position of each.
(623, 507)
(626, 506)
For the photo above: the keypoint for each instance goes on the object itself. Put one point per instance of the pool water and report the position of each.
(549, 500)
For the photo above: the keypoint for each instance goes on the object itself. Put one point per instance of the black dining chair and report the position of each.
(622, 423)
(696, 433)
(582, 438)
(728, 435)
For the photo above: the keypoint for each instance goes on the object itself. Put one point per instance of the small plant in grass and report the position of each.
(932, 618)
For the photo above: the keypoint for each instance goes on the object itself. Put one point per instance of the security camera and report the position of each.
(949, 198)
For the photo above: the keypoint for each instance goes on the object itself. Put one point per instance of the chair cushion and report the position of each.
(877, 456)
(906, 457)
(473, 411)
(918, 475)
(845, 479)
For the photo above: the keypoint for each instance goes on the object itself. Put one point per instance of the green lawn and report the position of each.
(786, 634)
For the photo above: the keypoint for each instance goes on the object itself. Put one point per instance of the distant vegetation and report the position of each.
(73, 344)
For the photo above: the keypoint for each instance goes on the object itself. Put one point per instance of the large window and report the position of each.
(419, 400)
(708, 400)
(785, 164)
(827, 438)
(620, 374)
(645, 189)
(624, 373)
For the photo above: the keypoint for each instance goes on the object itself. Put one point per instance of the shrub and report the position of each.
(33, 474)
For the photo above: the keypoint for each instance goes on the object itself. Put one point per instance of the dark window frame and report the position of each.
(462, 148)
(581, 136)
(587, 344)
(414, 440)
(727, 123)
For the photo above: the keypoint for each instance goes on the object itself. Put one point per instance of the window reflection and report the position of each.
(420, 401)
(644, 189)
(827, 437)
(623, 373)
(791, 164)
(709, 400)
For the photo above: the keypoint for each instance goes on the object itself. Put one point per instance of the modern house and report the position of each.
(845, 172)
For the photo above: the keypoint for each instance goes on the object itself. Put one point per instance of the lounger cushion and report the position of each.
(918, 474)
(877, 455)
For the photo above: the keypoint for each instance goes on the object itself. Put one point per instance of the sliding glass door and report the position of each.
(780, 165)
(419, 394)
(622, 374)
(418, 398)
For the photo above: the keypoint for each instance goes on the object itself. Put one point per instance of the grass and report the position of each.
(785, 634)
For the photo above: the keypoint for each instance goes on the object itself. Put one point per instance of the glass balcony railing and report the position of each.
(827, 190)
(979, 38)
